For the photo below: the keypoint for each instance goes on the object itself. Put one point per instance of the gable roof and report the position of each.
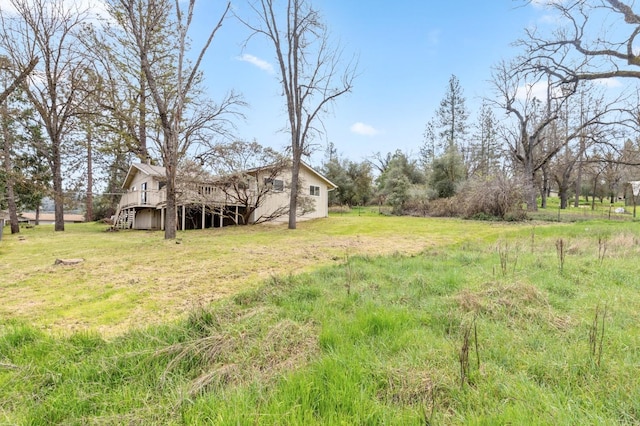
(330, 184)
(159, 172)
(149, 170)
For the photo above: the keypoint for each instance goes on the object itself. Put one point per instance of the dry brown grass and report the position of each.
(513, 302)
(131, 279)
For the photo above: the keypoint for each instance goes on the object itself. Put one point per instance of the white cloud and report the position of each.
(530, 91)
(260, 63)
(363, 129)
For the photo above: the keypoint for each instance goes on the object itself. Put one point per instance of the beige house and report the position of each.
(202, 204)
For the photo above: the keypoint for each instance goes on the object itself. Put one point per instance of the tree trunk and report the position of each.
(576, 202)
(563, 193)
(143, 153)
(89, 201)
(171, 165)
(58, 192)
(530, 185)
(545, 188)
(293, 201)
(8, 170)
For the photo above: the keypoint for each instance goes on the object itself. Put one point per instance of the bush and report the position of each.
(419, 201)
(445, 207)
(495, 196)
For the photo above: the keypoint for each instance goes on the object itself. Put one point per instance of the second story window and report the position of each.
(277, 184)
(143, 193)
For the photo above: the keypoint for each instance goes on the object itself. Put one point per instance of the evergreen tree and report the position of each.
(452, 117)
(447, 173)
(485, 155)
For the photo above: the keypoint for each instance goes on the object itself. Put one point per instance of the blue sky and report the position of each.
(407, 49)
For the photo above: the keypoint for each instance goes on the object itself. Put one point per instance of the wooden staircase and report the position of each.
(124, 219)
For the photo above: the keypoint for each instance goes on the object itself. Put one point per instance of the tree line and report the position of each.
(552, 122)
(84, 96)
(101, 91)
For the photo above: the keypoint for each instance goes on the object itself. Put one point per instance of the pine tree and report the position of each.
(452, 116)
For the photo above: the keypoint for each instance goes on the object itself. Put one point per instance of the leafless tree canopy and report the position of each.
(171, 94)
(595, 39)
(244, 174)
(48, 29)
(311, 72)
(531, 140)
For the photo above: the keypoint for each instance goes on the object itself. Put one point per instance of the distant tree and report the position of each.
(447, 173)
(310, 72)
(47, 29)
(452, 116)
(409, 167)
(354, 181)
(396, 187)
(530, 139)
(428, 148)
(485, 151)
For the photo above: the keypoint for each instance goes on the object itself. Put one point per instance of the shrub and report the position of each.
(445, 207)
(496, 196)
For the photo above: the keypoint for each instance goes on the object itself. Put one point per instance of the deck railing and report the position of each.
(154, 198)
(151, 198)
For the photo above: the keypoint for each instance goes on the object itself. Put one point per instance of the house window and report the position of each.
(143, 193)
(314, 190)
(277, 184)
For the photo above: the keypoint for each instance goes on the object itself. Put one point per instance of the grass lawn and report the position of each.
(132, 278)
(357, 319)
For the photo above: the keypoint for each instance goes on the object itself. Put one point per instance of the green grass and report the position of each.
(370, 337)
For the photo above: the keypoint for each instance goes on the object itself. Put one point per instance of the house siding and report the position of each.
(143, 210)
(281, 199)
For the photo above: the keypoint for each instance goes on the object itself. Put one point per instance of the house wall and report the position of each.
(152, 189)
(147, 219)
(281, 199)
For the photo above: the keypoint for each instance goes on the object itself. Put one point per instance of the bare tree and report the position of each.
(18, 79)
(172, 100)
(245, 174)
(46, 29)
(582, 47)
(311, 73)
(125, 96)
(531, 141)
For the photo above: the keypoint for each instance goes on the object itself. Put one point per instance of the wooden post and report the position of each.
(184, 219)
(162, 213)
(221, 216)
(203, 214)
(236, 214)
